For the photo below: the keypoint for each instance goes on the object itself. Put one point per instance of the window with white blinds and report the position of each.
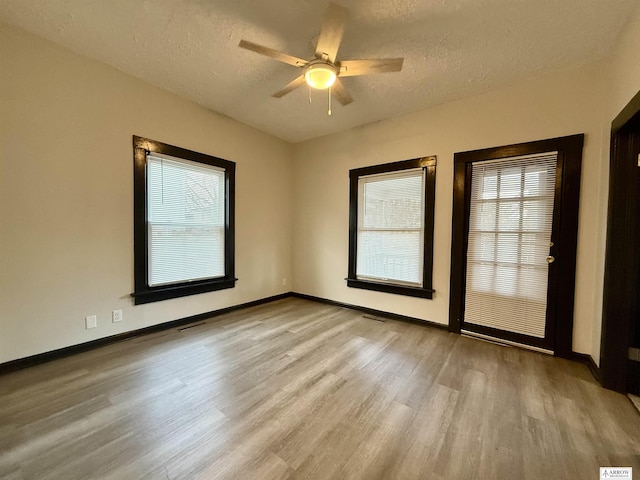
(185, 220)
(510, 223)
(391, 227)
(391, 217)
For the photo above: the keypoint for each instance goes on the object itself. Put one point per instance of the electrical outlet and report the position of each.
(284, 282)
(116, 315)
(91, 321)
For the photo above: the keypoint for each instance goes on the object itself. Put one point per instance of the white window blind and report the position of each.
(510, 222)
(185, 220)
(390, 227)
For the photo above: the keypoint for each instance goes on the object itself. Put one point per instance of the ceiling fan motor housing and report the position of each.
(320, 74)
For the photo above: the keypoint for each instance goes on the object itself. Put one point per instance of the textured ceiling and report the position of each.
(452, 48)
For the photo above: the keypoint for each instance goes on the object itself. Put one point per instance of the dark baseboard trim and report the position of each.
(589, 362)
(45, 357)
(371, 311)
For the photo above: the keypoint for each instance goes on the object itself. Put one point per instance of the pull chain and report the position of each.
(309, 88)
(329, 112)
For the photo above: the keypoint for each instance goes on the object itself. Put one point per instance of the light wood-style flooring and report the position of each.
(300, 390)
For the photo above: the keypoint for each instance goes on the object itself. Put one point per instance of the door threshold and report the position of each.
(500, 341)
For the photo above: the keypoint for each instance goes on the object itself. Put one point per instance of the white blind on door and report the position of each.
(185, 220)
(510, 222)
(390, 227)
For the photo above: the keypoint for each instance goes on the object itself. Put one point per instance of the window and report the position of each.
(391, 227)
(184, 219)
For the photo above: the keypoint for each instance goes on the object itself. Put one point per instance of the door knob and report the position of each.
(551, 259)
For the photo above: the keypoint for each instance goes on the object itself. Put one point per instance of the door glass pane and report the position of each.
(510, 182)
(510, 222)
(509, 216)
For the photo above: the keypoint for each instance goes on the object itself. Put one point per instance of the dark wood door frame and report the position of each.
(566, 211)
(620, 309)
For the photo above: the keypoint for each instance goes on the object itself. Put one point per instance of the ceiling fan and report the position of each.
(324, 71)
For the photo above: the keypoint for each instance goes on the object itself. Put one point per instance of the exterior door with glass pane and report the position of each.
(509, 261)
(514, 240)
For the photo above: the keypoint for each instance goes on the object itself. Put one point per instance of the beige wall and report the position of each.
(625, 71)
(66, 196)
(557, 105)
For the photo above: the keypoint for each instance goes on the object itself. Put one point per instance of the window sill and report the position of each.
(390, 288)
(157, 294)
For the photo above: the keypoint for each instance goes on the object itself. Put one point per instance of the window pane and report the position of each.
(510, 183)
(538, 181)
(483, 246)
(534, 249)
(509, 216)
(484, 216)
(179, 253)
(390, 231)
(182, 193)
(507, 248)
(394, 202)
(185, 214)
(534, 212)
(390, 255)
(489, 187)
(481, 277)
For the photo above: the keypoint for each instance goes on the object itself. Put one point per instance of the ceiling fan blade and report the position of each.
(331, 31)
(338, 91)
(292, 85)
(275, 54)
(352, 68)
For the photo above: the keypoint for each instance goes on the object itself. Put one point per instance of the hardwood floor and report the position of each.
(301, 390)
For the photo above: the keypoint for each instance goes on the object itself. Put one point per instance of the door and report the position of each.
(514, 239)
(620, 342)
(510, 247)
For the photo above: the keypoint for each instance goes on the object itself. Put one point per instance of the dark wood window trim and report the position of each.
(429, 165)
(567, 198)
(143, 292)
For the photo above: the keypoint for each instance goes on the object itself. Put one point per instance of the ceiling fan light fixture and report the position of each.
(320, 75)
